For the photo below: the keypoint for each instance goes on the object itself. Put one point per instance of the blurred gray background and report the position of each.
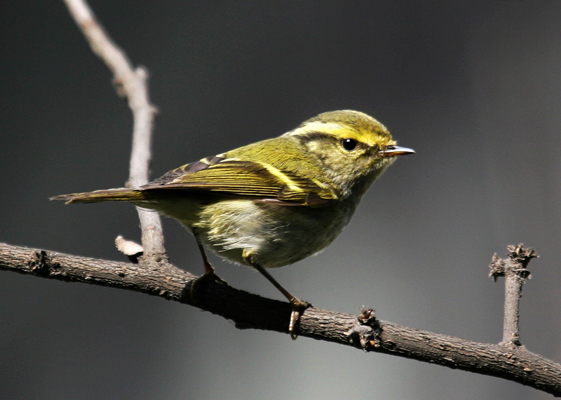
(473, 87)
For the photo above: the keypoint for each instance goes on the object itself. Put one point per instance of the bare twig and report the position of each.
(250, 311)
(131, 83)
(515, 270)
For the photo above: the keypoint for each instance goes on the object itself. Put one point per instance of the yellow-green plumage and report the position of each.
(276, 201)
(120, 194)
(273, 202)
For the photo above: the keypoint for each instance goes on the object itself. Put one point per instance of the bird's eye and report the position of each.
(349, 144)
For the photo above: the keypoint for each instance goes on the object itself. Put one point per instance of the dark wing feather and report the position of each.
(245, 179)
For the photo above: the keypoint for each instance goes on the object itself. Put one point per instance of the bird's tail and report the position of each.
(120, 194)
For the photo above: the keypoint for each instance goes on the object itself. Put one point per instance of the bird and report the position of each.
(273, 202)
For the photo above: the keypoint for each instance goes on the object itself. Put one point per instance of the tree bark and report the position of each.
(249, 311)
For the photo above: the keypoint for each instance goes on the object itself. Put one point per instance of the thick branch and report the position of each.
(133, 84)
(250, 311)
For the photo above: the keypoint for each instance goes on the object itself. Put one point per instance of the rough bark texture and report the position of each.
(250, 311)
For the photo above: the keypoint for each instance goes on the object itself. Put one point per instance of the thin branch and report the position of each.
(515, 270)
(250, 311)
(131, 83)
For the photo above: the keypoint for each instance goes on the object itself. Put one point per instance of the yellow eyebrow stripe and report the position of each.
(317, 126)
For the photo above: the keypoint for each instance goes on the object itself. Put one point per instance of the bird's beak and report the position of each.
(393, 151)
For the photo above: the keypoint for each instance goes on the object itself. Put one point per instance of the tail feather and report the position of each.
(120, 194)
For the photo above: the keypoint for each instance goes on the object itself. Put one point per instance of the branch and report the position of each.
(515, 270)
(132, 84)
(249, 311)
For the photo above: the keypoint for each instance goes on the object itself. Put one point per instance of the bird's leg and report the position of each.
(209, 269)
(209, 275)
(297, 305)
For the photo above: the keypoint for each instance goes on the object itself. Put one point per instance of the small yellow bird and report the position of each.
(274, 202)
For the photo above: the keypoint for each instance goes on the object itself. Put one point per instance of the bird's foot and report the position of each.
(298, 307)
(209, 276)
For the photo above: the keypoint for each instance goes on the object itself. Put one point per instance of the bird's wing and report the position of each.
(241, 178)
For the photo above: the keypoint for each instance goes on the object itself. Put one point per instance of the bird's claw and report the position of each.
(298, 307)
(203, 279)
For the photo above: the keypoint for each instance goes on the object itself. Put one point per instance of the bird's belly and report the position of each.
(274, 235)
